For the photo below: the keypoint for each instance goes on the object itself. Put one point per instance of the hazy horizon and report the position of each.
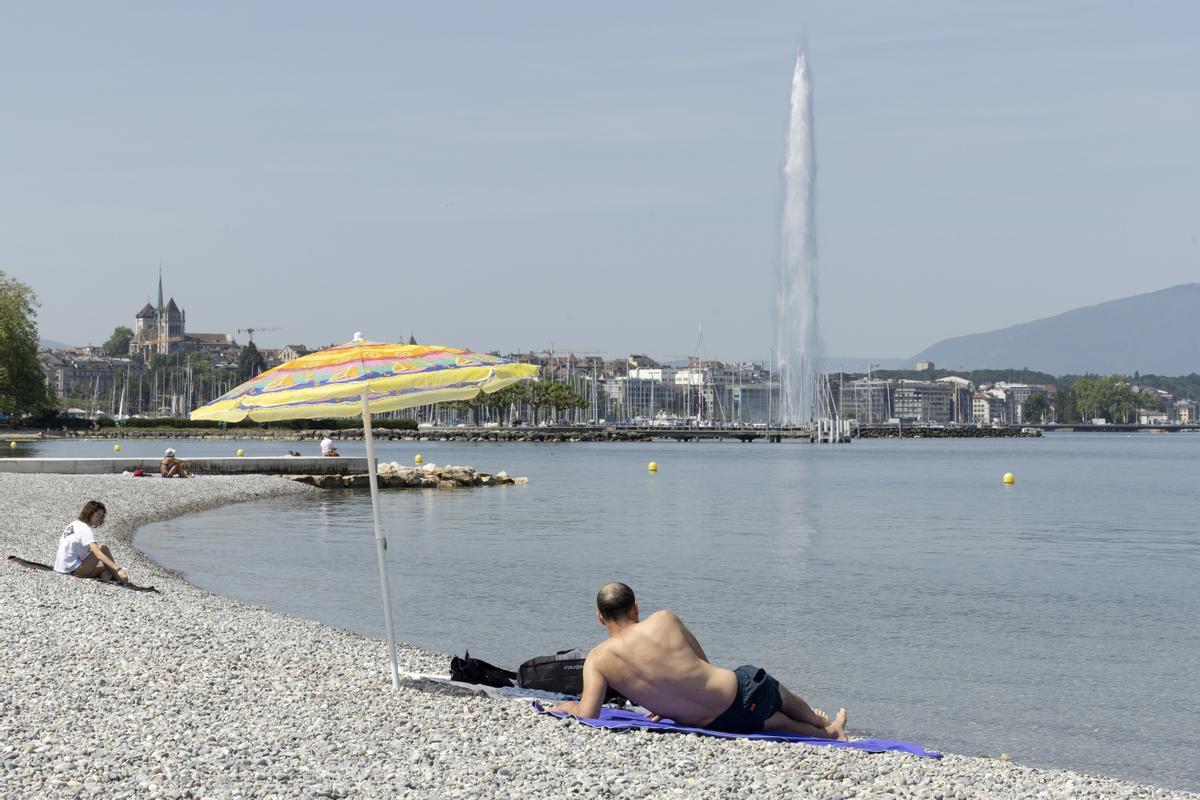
(593, 179)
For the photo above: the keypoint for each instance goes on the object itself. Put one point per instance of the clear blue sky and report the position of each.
(600, 176)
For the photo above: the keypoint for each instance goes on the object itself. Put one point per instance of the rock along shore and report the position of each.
(429, 476)
(106, 692)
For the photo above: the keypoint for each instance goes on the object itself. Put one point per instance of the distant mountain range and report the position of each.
(50, 344)
(1156, 333)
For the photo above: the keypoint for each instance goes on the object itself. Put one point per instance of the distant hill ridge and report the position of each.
(1155, 333)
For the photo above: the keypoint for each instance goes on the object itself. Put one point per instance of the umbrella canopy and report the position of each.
(358, 379)
(330, 383)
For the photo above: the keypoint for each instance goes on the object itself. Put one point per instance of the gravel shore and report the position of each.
(106, 692)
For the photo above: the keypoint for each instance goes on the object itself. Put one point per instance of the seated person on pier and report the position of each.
(327, 448)
(172, 467)
(658, 664)
(79, 554)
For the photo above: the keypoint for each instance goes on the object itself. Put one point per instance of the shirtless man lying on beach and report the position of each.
(658, 664)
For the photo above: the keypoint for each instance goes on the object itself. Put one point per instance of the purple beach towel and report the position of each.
(615, 719)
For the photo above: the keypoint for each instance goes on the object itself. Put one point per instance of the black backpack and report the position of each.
(562, 673)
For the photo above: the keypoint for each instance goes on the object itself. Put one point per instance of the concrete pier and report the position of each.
(280, 465)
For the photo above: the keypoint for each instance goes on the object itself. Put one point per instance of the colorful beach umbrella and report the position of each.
(358, 379)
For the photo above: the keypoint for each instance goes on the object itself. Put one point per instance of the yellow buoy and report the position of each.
(419, 459)
(241, 452)
(116, 448)
(652, 466)
(12, 444)
(1009, 479)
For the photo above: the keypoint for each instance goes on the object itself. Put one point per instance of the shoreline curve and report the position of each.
(112, 693)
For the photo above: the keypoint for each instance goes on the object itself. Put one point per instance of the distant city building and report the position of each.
(162, 330)
(1185, 410)
(637, 399)
(924, 401)
(88, 377)
(925, 366)
(641, 362)
(962, 393)
(660, 374)
(290, 352)
(753, 403)
(1149, 417)
(868, 400)
(990, 407)
(1017, 393)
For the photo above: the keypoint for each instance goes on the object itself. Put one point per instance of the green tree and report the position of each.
(23, 388)
(563, 398)
(118, 344)
(250, 363)
(539, 398)
(1149, 400)
(1035, 408)
(504, 401)
(470, 408)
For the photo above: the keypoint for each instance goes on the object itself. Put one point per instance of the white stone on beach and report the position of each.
(188, 694)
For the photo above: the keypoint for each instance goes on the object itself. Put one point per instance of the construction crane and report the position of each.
(251, 331)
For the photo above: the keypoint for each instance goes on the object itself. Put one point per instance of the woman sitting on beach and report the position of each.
(79, 555)
(172, 467)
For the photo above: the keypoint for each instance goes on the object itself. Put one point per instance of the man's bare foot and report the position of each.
(837, 728)
(822, 716)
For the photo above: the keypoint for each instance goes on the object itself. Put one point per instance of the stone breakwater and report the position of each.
(110, 693)
(429, 476)
(912, 432)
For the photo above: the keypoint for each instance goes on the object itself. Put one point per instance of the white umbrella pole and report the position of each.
(380, 541)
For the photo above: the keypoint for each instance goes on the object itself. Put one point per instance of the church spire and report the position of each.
(160, 303)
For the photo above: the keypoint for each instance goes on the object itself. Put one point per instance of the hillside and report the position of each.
(1157, 333)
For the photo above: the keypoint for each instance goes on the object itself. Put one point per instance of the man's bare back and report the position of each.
(659, 664)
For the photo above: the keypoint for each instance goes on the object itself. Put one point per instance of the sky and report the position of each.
(592, 177)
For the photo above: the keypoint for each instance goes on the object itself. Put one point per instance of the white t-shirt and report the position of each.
(73, 546)
(326, 444)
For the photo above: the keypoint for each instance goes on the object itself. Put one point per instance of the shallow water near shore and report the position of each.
(1054, 620)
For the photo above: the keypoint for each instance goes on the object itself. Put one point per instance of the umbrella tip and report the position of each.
(358, 336)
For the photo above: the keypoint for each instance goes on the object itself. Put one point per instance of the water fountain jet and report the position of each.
(797, 341)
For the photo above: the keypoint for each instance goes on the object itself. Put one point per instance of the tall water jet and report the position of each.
(796, 342)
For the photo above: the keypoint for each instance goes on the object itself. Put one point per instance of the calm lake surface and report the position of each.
(1055, 620)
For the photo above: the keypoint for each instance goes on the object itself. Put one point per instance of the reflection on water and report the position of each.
(898, 578)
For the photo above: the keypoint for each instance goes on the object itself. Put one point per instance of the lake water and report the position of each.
(1055, 620)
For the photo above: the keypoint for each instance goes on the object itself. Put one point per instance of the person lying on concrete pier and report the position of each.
(79, 554)
(172, 467)
(658, 664)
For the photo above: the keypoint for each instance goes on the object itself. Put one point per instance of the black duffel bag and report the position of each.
(480, 672)
(562, 673)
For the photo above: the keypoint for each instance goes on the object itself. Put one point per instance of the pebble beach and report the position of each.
(107, 692)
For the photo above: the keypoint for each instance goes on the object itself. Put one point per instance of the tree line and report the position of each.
(555, 398)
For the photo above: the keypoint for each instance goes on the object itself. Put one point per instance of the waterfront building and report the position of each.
(637, 399)
(1149, 417)
(753, 403)
(923, 401)
(660, 374)
(1185, 411)
(990, 407)
(868, 400)
(962, 393)
(1017, 393)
